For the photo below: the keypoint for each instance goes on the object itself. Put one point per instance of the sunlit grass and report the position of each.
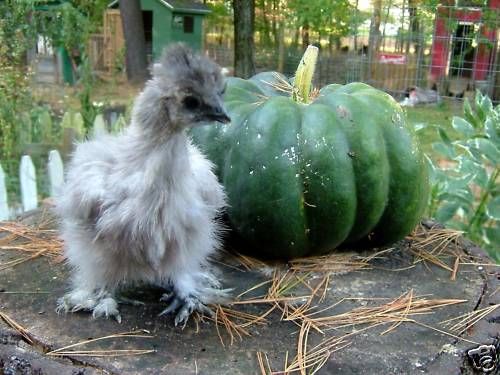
(433, 115)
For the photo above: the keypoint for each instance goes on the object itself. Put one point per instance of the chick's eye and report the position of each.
(191, 102)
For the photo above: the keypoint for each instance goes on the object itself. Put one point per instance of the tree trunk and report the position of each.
(274, 24)
(414, 26)
(356, 13)
(389, 5)
(374, 38)
(305, 36)
(281, 47)
(135, 41)
(266, 24)
(244, 13)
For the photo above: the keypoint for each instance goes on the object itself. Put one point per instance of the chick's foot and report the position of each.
(102, 304)
(183, 307)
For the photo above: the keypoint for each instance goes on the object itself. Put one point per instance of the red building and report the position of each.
(465, 43)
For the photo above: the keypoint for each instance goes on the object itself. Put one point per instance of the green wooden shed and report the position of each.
(168, 21)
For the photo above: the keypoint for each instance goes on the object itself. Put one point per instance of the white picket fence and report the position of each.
(55, 169)
(28, 184)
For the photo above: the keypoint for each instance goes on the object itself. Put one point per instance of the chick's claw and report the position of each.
(183, 307)
(107, 308)
(173, 303)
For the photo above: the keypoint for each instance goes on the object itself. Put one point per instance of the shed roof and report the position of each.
(183, 6)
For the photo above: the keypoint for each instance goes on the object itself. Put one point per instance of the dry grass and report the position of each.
(464, 322)
(442, 247)
(264, 366)
(28, 337)
(437, 246)
(283, 85)
(106, 352)
(234, 322)
(310, 358)
(280, 84)
(31, 242)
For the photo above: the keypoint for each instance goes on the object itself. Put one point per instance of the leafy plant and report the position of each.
(465, 193)
(15, 97)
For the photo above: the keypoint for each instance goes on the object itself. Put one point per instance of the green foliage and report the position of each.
(15, 98)
(322, 16)
(334, 19)
(220, 18)
(66, 25)
(70, 25)
(465, 192)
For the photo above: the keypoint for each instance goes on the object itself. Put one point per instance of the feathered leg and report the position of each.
(192, 291)
(91, 289)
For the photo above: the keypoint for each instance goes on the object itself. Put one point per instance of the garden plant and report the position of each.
(465, 193)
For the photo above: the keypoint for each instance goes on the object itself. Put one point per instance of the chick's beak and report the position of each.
(219, 114)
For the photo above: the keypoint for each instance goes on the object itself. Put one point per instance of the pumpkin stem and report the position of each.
(304, 75)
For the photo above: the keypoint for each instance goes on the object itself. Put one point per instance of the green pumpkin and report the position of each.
(303, 179)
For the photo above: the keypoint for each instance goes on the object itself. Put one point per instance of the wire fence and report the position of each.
(451, 50)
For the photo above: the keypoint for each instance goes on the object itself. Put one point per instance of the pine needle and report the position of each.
(34, 241)
(105, 352)
(466, 321)
(19, 328)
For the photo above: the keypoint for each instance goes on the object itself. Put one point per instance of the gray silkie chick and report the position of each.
(143, 206)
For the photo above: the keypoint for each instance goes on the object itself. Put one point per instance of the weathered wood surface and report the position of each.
(27, 178)
(408, 349)
(56, 173)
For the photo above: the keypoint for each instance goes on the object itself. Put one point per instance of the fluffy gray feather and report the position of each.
(143, 206)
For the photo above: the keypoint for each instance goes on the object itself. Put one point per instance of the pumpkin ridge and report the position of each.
(304, 196)
(401, 212)
(330, 176)
(301, 163)
(368, 159)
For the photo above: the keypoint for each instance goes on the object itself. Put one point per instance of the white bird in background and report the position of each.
(144, 206)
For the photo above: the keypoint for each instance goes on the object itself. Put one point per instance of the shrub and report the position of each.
(465, 194)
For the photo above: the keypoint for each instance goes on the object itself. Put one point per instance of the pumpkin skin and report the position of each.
(302, 180)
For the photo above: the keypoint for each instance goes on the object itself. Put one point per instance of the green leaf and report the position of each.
(486, 105)
(492, 128)
(487, 149)
(462, 126)
(493, 208)
(444, 149)
(447, 211)
(481, 107)
(464, 202)
(420, 126)
(444, 136)
(431, 167)
(467, 165)
(478, 98)
(458, 225)
(469, 113)
(492, 240)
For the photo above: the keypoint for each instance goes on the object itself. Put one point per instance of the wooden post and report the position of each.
(74, 121)
(4, 207)
(69, 139)
(27, 177)
(56, 173)
(45, 124)
(99, 126)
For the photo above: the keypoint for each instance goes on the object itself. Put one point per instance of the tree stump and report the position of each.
(418, 307)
